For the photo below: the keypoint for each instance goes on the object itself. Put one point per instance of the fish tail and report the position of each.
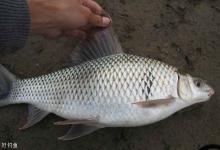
(6, 79)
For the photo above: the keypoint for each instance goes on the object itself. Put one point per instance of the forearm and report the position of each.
(14, 24)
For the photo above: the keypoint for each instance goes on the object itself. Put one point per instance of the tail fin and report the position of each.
(6, 79)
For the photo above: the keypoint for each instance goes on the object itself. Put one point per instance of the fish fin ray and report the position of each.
(78, 121)
(35, 115)
(101, 43)
(6, 79)
(155, 103)
(77, 131)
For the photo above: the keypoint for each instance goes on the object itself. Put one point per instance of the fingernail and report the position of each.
(106, 21)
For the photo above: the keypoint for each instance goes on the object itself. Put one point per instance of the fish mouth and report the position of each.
(211, 92)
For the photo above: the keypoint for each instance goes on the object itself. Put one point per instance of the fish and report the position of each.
(104, 87)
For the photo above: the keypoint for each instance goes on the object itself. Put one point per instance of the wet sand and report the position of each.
(185, 34)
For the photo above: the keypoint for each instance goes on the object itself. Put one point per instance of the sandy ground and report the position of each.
(183, 33)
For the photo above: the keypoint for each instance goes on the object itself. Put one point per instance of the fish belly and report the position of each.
(119, 115)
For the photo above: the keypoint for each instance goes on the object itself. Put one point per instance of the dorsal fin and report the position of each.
(100, 43)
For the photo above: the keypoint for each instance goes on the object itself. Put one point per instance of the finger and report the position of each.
(93, 6)
(97, 20)
(80, 34)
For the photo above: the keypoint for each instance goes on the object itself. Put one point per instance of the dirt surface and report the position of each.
(183, 33)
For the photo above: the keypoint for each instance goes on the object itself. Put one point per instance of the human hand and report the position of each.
(55, 18)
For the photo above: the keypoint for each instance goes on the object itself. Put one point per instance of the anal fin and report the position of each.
(35, 115)
(77, 131)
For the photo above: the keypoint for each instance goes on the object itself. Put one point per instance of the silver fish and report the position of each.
(105, 87)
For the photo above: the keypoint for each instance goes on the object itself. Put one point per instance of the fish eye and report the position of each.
(198, 83)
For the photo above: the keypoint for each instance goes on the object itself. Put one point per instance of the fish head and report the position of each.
(194, 90)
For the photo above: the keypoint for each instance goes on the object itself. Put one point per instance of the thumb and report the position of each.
(97, 20)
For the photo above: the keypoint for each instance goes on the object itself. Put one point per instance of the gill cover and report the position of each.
(184, 89)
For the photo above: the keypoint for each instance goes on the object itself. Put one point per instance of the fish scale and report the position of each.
(128, 79)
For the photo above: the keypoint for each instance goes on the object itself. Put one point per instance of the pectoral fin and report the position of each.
(77, 131)
(155, 103)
